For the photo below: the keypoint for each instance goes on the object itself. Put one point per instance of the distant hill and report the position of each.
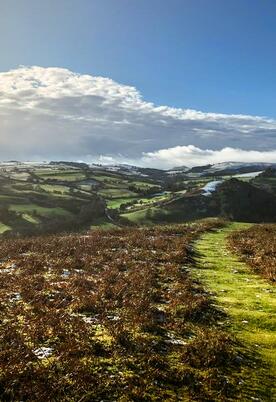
(131, 170)
(41, 197)
(200, 169)
(242, 201)
(233, 199)
(69, 164)
(230, 168)
(270, 172)
(220, 169)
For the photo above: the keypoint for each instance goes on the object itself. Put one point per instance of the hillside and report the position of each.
(120, 315)
(50, 197)
(230, 168)
(55, 197)
(270, 172)
(107, 316)
(87, 313)
(232, 199)
(242, 201)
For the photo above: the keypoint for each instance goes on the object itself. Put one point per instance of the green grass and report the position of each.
(30, 218)
(109, 179)
(116, 193)
(117, 202)
(69, 176)
(4, 228)
(103, 224)
(138, 217)
(144, 184)
(43, 211)
(141, 216)
(19, 176)
(248, 300)
(8, 198)
(139, 202)
(49, 171)
(53, 187)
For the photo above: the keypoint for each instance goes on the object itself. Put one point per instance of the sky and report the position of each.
(156, 83)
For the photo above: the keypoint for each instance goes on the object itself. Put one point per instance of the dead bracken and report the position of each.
(110, 316)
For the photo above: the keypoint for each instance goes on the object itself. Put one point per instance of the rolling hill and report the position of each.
(60, 196)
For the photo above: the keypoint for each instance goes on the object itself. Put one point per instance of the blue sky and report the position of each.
(212, 56)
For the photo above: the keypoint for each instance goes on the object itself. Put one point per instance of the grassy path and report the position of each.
(250, 304)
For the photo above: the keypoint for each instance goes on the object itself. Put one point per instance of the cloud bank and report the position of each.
(191, 156)
(53, 113)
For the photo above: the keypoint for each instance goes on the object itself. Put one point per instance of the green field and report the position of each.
(116, 193)
(144, 184)
(109, 179)
(4, 228)
(35, 198)
(117, 202)
(30, 218)
(53, 187)
(141, 217)
(43, 211)
(66, 176)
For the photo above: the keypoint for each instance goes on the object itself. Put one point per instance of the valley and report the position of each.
(66, 196)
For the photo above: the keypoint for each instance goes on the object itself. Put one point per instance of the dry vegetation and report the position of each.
(110, 316)
(257, 245)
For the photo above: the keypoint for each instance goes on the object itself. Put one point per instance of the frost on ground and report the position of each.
(43, 352)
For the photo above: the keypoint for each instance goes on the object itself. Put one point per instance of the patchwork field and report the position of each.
(39, 198)
(68, 196)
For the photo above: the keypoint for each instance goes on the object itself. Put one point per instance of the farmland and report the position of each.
(37, 198)
(43, 197)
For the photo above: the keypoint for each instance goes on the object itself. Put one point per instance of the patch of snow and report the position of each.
(9, 269)
(90, 320)
(175, 341)
(43, 352)
(251, 174)
(113, 317)
(211, 187)
(65, 273)
(15, 297)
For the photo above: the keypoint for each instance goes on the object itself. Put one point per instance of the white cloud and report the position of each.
(191, 156)
(54, 113)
